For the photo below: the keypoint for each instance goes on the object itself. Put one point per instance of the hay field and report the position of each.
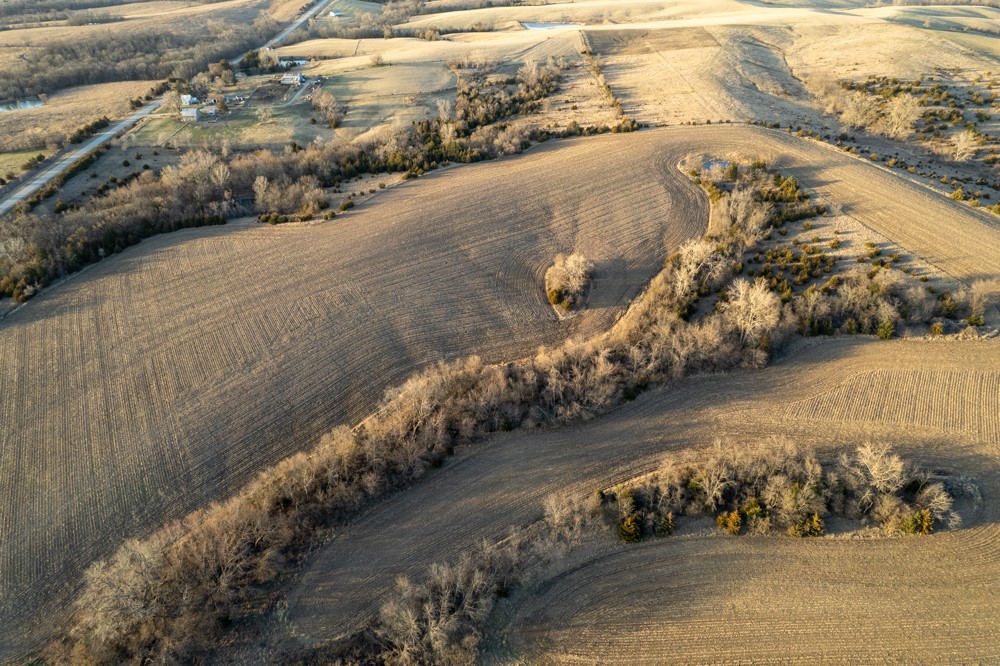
(691, 71)
(856, 52)
(401, 93)
(688, 599)
(168, 375)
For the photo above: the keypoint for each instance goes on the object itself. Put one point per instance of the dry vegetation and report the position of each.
(756, 488)
(567, 279)
(152, 47)
(203, 567)
(238, 358)
(203, 396)
(53, 124)
(214, 417)
(493, 488)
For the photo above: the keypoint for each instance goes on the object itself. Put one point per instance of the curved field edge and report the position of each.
(670, 146)
(168, 376)
(492, 489)
(770, 599)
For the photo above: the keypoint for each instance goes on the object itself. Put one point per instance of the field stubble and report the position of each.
(169, 375)
(770, 598)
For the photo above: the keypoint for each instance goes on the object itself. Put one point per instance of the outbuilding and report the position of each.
(190, 113)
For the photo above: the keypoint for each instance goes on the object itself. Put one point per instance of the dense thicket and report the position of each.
(751, 488)
(759, 487)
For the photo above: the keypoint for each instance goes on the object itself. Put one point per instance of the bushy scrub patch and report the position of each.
(439, 618)
(779, 486)
(566, 281)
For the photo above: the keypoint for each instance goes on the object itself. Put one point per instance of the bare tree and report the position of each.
(860, 110)
(324, 102)
(965, 146)
(753, 309)
(567, 278)
(901, 113)
(882, 468)
(750, 216)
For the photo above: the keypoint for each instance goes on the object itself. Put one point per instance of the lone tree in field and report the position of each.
(326, 104)
(567, 279)
(901, 113)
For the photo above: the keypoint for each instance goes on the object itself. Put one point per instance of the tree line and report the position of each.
(169, 596)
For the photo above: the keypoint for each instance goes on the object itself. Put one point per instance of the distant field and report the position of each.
(10, 163)
(240, 129)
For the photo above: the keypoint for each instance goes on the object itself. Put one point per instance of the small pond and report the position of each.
(20, 104)
(548, 26)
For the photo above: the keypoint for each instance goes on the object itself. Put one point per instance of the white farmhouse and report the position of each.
(292, 79)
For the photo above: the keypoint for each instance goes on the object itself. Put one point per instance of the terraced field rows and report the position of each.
(887, 396)
(767, 600)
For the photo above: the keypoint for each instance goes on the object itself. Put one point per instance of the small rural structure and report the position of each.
(188, 100)
(190, 114)
(292, 79)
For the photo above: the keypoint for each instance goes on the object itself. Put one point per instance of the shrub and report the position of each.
(918, 522)
(937, 328)
(886, 330)
(567, 279)
(629, 530)
(729, 522)
(665, 525)
(811, 526)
